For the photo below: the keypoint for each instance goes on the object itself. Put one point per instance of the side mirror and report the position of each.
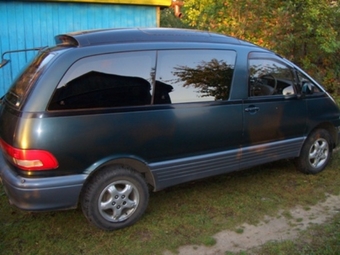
(307, 88)
(288, 91)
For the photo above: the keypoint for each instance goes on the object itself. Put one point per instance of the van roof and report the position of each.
(124, 35)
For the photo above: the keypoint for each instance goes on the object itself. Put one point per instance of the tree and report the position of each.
(304, 31)
(212, 78)
(168, 19)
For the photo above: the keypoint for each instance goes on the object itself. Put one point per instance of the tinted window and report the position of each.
(27, 78)
(303, 79)
(110, 80)
(270, 77)
(185, 76)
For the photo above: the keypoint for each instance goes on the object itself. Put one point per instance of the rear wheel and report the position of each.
(115, 198)
(315, 153)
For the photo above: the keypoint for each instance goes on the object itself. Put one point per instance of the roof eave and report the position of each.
(166, 3)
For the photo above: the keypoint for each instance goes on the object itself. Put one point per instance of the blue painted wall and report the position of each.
(34, 24)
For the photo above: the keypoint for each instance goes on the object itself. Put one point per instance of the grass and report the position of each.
(185, 214)
(317, 240)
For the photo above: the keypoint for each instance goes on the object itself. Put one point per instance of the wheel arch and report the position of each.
(317, 149)
(132, 163)
(329, 127)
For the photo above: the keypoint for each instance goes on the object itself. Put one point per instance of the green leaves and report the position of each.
(304, 31)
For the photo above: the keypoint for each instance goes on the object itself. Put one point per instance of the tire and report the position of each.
(115, 198)
(316, 152)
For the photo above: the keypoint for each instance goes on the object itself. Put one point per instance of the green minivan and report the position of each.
(103, 117)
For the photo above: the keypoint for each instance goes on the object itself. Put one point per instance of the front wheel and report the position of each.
(316, 152)
(115, 198)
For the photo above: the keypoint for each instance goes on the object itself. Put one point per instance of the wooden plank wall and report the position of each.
(34, 24)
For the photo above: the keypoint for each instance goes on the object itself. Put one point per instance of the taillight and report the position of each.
(30, 160)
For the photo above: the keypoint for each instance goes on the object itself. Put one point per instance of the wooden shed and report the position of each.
(31, 24)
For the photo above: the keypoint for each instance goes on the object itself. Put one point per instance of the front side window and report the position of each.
(304, 80)
(110, 80)
(185, 76)
(269, 77)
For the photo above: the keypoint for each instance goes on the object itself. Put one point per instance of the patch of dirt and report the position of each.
(282, 227)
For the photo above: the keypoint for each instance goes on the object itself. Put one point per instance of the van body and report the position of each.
(103, 115)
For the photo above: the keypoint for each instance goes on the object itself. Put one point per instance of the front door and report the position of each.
(274, 116)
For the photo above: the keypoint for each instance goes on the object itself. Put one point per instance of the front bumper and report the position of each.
(40, 194)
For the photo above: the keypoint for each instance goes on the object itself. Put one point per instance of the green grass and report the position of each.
(185, 214)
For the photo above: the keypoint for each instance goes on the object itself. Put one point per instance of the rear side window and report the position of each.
(27, 78)
(110, 80)
(185, 76)
(132, 79)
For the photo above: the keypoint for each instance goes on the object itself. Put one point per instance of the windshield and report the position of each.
(27, 78)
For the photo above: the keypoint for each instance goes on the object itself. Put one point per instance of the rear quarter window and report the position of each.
(109, 80)
(18, 91)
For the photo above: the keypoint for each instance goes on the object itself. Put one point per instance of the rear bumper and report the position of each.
(39, 194)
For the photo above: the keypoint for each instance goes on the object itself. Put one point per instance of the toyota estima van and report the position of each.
(102, 116)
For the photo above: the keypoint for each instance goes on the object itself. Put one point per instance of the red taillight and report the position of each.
(30, 160)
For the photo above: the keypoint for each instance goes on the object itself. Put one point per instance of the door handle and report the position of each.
(252, 109)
